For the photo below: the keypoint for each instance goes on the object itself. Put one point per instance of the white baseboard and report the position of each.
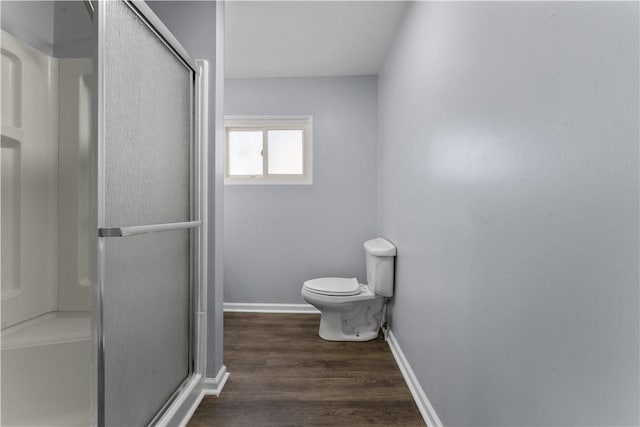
(424, 406)
(270, 308)
(214, 386)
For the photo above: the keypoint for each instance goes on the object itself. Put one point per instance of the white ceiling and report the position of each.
(308, 38)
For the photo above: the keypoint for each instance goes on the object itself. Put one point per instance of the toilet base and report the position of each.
(331, 330)
(360, 323)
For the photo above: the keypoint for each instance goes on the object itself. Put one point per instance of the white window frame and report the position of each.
(264, 123)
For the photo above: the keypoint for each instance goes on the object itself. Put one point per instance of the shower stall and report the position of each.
(103, 207)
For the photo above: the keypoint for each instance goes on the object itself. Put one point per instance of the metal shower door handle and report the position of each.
(146, 229)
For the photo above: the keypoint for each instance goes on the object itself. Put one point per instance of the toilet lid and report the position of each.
(333, 286)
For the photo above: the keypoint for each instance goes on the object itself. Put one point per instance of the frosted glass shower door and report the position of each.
(145, 208)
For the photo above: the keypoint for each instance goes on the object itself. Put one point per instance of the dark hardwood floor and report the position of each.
(284, 374)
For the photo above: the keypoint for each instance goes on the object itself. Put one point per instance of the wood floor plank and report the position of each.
(284, 374)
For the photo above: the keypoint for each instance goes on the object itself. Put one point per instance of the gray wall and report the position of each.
(509, 182)
(194, 24)
(31, 22)
(73, 32)
(61, 28)
(278, 236)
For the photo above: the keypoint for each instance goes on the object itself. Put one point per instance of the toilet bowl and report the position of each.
(351, 311)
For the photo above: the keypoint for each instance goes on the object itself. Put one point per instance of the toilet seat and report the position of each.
(336, 286)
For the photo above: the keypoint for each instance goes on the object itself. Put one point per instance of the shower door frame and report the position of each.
(190, 390)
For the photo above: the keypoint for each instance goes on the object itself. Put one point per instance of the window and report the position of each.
(268, 150)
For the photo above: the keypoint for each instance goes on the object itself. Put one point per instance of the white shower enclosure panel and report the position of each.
(47, 245)
(76, 243)
(29, 182)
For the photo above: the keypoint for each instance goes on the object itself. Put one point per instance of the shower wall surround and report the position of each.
(46, 250)
(45, 160)
(29, 181)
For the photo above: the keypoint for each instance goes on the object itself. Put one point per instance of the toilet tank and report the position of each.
(380, 262)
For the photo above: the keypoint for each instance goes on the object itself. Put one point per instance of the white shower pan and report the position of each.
(41, 358)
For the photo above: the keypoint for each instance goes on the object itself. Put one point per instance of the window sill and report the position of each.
(270, 181)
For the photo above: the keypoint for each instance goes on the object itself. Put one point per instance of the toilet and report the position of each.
(351, 311)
